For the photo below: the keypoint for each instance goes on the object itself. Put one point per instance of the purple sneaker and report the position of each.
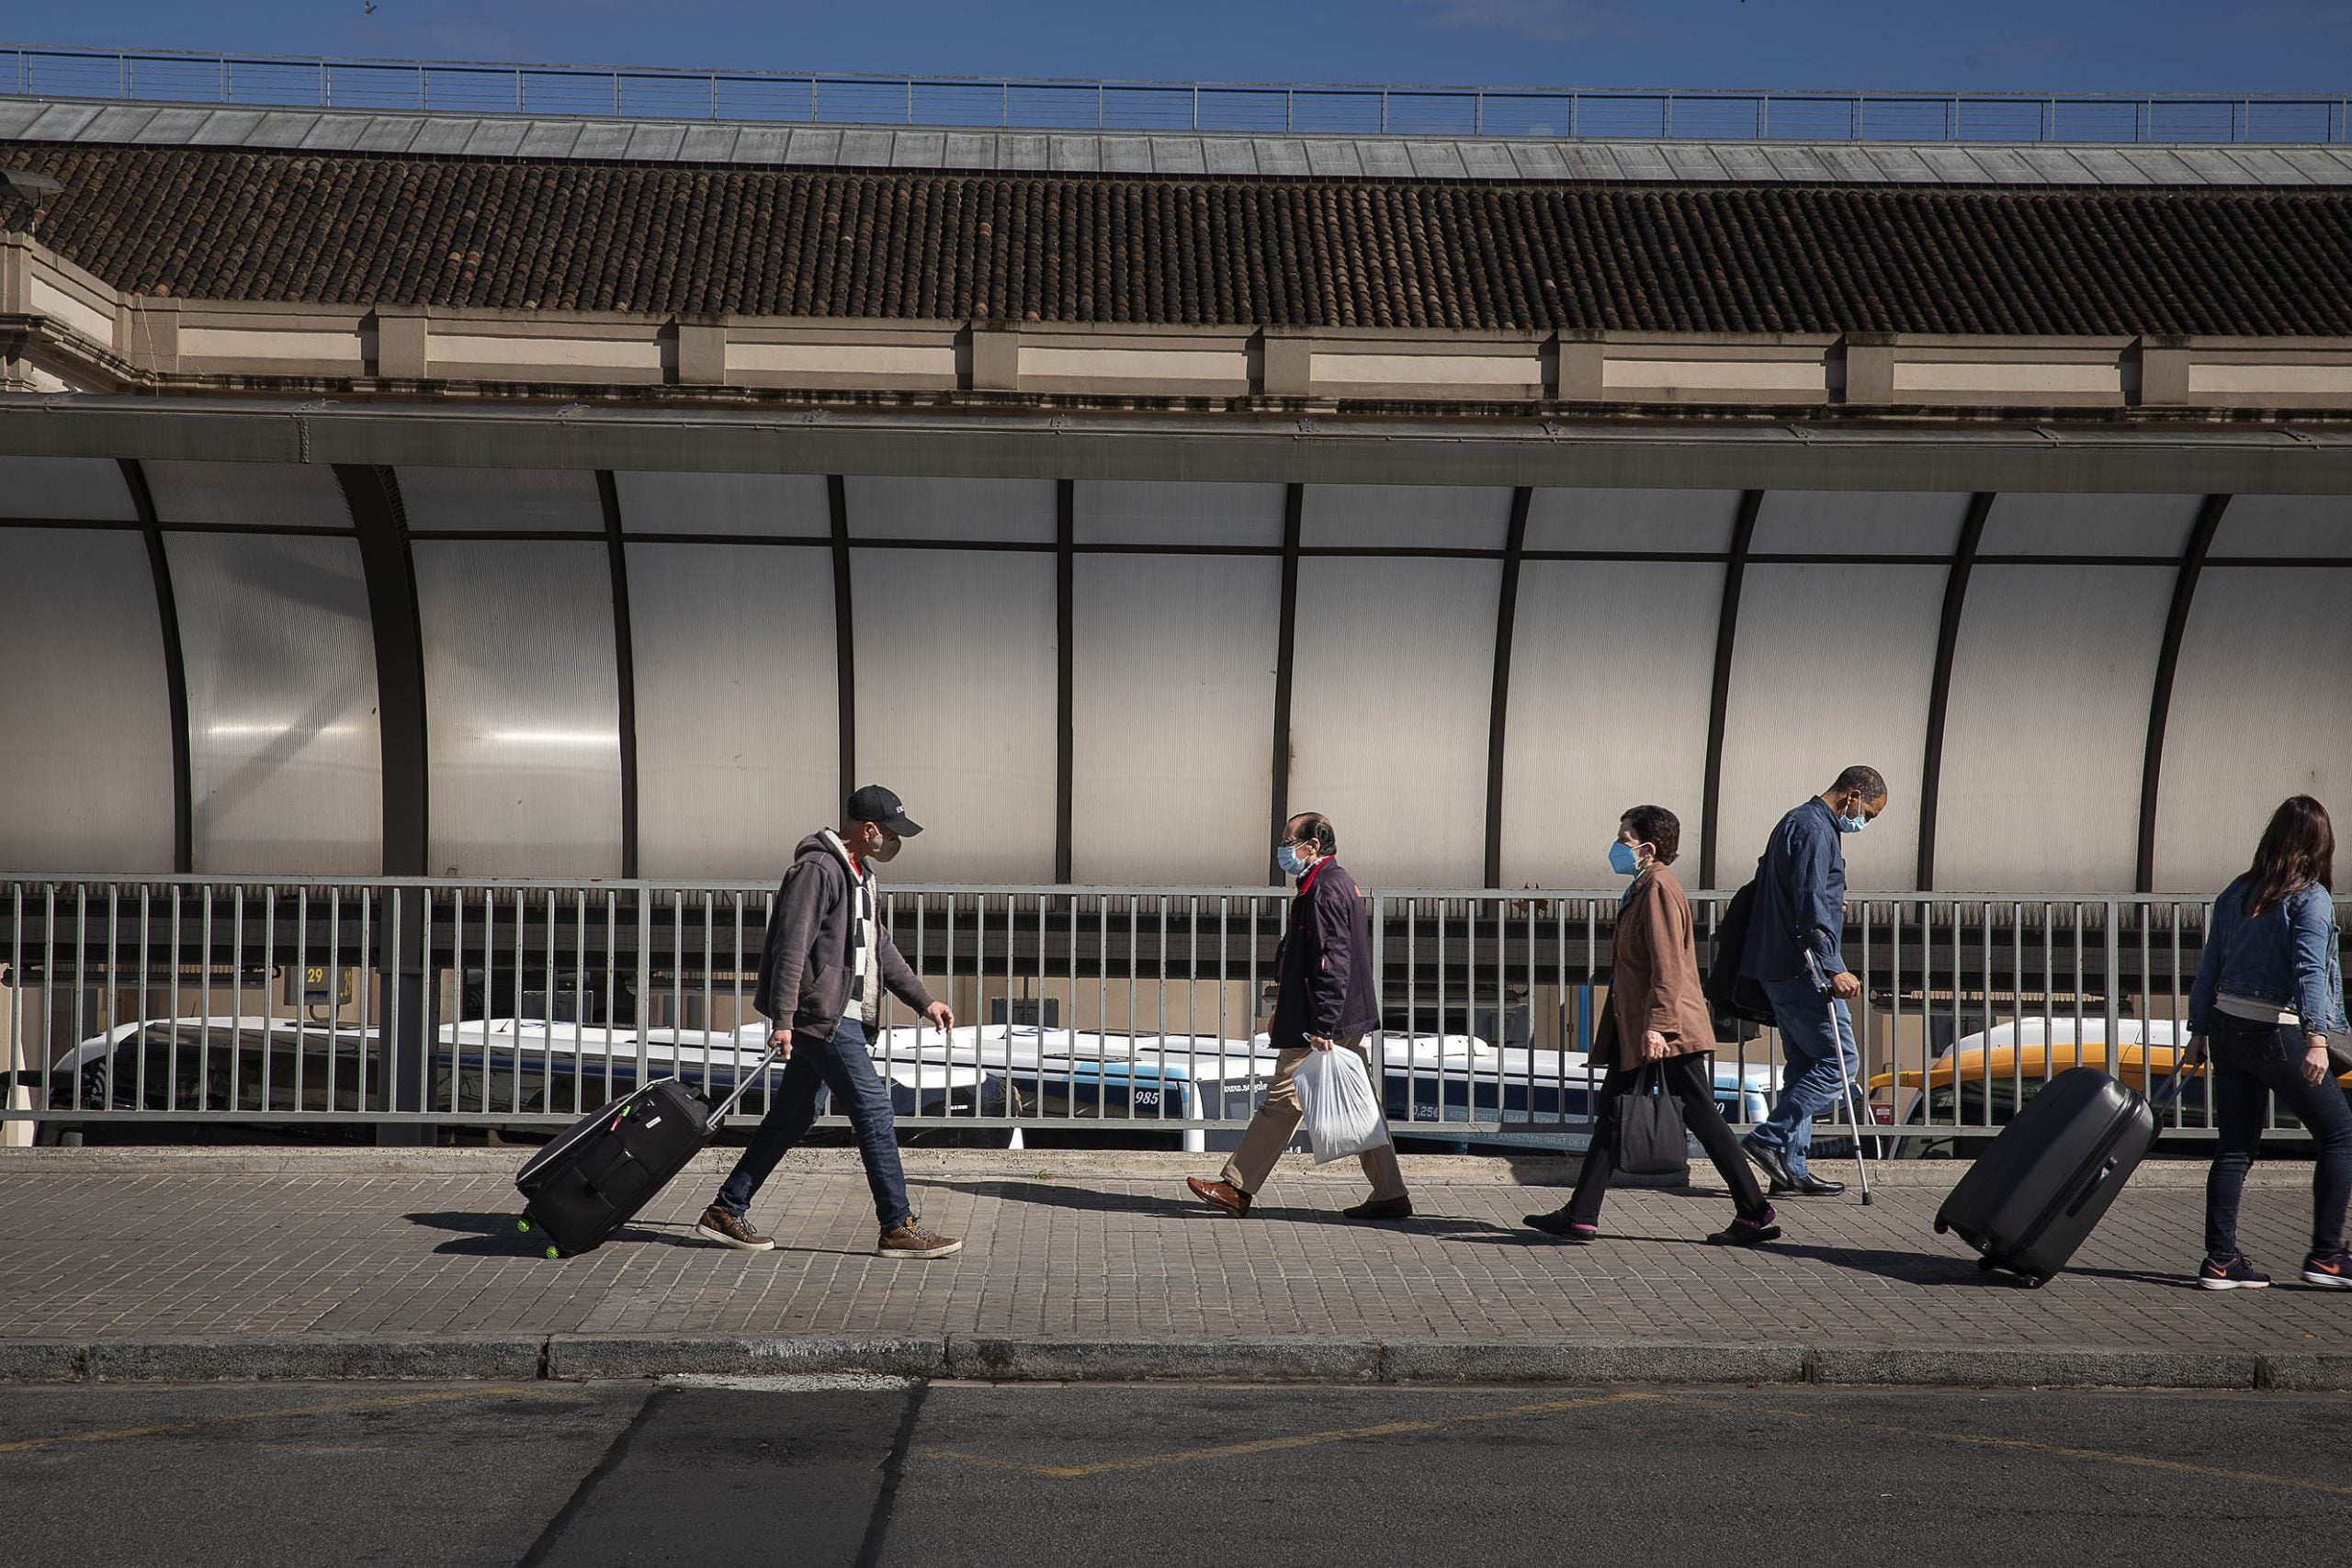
(2329, 1270)
(1745, 1232)
(2230, 1274)
(1557, 1224)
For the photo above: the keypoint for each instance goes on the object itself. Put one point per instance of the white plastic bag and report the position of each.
(1337, 1104)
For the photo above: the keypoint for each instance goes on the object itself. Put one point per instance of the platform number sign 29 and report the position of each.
(317, 985)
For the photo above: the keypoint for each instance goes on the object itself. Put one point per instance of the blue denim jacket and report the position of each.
(2286, 955)
(1800, 898)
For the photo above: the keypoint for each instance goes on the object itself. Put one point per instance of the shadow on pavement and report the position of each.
(494, 1235)
(1181, 1205)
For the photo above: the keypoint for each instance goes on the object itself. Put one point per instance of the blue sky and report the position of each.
(2300, 46)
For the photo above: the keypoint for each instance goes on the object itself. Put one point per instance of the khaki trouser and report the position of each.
(1277, 1118)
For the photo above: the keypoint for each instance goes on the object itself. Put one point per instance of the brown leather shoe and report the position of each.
(1220, 1195)
(910, 1240)
(1381, 1209)
(717, 1225)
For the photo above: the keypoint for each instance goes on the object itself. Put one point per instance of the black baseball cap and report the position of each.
(875, 804)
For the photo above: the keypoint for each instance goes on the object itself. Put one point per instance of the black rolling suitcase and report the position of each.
(593, 1180)
(2031, 1199)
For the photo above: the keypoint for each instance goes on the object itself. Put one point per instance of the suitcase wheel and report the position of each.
(1941, 1228)
(555, 1252)
(2034, 1281)
(522, 1225)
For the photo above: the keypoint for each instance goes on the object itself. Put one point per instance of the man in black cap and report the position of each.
(822, 972)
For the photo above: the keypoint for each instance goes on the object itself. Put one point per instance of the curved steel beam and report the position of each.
(373, 497)
(2184, 595)
(167, 613)
(1286, 650)
(624, 665)
(1743, 535)
(1499, 715)
(1931, 761)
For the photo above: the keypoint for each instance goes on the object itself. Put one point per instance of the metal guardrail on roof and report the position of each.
(483, 87)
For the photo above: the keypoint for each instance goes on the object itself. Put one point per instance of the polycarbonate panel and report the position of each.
(1423, 517)
(1859, 522)
(85, 727)
(2304, 526)
(1668, 521)
(74, 490)
(1018, 511)
(957, 706)
(1391, 689)
(1176, 512)
(2040, 525)
(2260, 711)
(737, 707)
(1173, 717)
(522, 709)
(790, 506)
(1832, 666)
(482, 500)
(1612, 675)
(247, 495)
(2046, 734)
(285, 766)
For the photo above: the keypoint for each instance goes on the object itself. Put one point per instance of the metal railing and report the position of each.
(852, 99)
(1124, 1015)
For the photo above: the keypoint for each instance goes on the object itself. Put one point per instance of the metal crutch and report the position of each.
(1845, 1081)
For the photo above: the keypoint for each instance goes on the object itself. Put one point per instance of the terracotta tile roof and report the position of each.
(358, 229)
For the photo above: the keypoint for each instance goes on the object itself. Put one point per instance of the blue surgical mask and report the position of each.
(1853, 824)
(1286, 856)
(1622, 859)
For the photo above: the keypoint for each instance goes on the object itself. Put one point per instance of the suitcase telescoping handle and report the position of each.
(742, 1086)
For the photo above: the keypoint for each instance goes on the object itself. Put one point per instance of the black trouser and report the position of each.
(2251, 1062)
(1691, 1080)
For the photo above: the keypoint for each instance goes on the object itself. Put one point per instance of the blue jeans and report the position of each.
(1810, 1076)
(845, 1065)
(2252, 1062)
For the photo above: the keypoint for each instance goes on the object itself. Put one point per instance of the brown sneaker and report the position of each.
(910, 1240)
(717, 1225)
(1381, 1209)
(1220, 1195)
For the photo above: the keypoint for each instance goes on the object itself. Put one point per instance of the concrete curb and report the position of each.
(1050, 1359)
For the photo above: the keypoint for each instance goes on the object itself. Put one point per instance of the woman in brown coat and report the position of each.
(1657, 1013)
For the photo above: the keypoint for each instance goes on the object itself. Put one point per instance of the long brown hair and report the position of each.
(2296, 849)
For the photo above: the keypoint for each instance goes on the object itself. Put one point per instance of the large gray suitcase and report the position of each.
(2045, 1183)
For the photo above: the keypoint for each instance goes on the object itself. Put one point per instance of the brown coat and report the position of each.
(1653, 984)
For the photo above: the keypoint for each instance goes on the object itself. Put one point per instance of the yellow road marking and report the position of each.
(2055, 1451)
(394, 1401)
(1277, 1445)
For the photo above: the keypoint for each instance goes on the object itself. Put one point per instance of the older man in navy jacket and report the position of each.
(1328, 999)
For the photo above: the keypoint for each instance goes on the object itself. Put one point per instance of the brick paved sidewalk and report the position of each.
(100, 1246)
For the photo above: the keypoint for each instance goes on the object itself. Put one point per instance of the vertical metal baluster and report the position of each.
(269, 1001)
(80, 965)
(204, 1002)
(138, 1036)
(110, 1013)
(2179, 1029)
(2049, 979)
(367, 1000)
(19, 1058)
(735, 989)
(457, 1023)
(1413, 1018)
(580, 1008)
(1926, 1101)
(334, 1009)
(521, 967)
(237, 1003)
(710, 936)
(385, 1045)
(172, 1041)
(2112, 967)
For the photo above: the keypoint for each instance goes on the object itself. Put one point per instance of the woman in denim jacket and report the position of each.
(2268, 989)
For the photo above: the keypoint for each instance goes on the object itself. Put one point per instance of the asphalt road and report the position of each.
(811, 1475)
